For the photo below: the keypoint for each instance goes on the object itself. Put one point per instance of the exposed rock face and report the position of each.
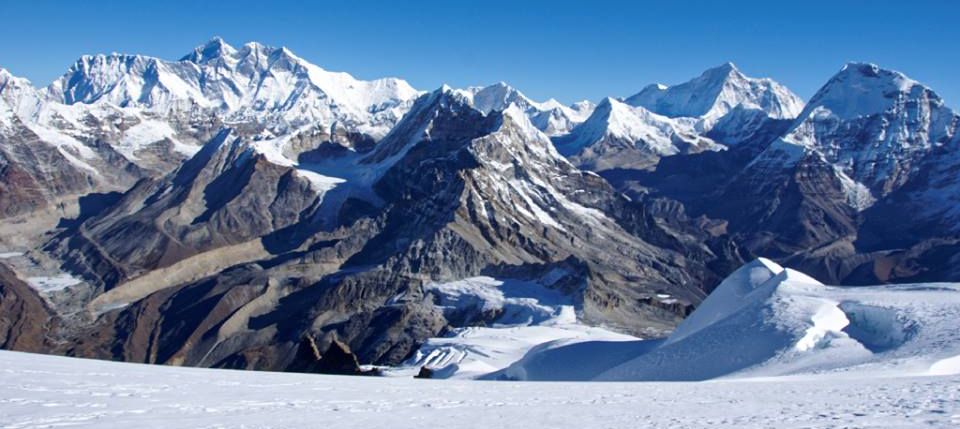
(246, 256)
(44, 173)
(26, 322)
(513, 200)
(227, 195)
(336, 358)
(872, 149)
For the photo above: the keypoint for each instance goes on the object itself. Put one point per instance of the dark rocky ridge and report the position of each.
(461, 194)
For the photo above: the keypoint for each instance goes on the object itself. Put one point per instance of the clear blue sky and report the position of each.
(566, 50)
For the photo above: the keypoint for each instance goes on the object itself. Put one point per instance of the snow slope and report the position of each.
(39, 391)
(636, 127)
(764, 320)
(717, 92)
(550, 116)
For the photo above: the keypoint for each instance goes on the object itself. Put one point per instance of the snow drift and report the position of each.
(765, 320)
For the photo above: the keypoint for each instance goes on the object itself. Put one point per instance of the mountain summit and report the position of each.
(715, 93)
(271, 85)
(722, 107)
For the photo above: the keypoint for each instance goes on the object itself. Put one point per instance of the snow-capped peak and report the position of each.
(497, 97)
(127, 80)
(874, 126)
(214, 48)
(863, 89)
(725, 71)
(418, 122)
(18, 95)
(715, 93)
(615, 119)
(270, 86)
(5, 75)
(551, 116)
(10, 83)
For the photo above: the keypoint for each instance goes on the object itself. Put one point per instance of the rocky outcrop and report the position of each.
(26, 321)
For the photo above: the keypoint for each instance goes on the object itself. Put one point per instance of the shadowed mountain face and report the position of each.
(858, 189)
(27, 319)
(241, 257)
(243, 208)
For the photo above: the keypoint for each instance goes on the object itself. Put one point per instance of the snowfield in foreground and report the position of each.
(48, 391)
(775, 348)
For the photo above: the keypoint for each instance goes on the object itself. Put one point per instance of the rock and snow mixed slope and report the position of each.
(111, 120)
(550, 116)
(720, 108)
(717, 92)
(876, 127)
(765, 320)
(618, 135)
(294, 249)
(828, 191)
(312, 204)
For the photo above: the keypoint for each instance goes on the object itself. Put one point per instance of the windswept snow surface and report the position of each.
(765, 320)
(39, 391)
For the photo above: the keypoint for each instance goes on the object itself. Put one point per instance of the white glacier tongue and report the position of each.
(715, 93)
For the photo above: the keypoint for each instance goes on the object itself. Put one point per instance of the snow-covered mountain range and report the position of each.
(720, 108)
(241, 207)
(254, 83)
